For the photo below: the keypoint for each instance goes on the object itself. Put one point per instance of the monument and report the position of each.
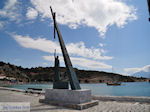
(57, 83)
(61, 94)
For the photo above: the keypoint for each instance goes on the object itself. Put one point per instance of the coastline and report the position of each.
(109, 105)
(140, 99)
(126, 89)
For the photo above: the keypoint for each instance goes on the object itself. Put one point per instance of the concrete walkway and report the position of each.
(107, 106)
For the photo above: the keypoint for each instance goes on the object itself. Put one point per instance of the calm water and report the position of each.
(126, 89)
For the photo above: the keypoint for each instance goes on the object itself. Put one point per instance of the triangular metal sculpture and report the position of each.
(72, 75)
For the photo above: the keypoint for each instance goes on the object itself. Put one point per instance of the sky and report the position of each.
(102, 35)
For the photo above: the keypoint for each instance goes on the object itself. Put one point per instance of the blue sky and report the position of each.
(106, 35)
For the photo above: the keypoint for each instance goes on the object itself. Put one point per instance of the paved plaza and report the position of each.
(109, 106)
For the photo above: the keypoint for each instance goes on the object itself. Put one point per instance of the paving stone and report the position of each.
(109, 106)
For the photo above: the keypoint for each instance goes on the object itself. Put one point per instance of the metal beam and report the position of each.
(148, 2)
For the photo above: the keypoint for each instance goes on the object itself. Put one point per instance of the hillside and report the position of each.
(45, 74)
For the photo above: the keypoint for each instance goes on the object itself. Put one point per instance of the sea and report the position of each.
(125, 89)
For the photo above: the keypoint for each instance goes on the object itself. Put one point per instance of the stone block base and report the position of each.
(77, 99)
(69, 105)
(69, 96)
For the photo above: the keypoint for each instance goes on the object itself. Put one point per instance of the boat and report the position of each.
(113, 83)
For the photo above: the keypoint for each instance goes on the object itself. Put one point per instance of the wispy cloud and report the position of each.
(81, 56)
(134, 70)
(45, 64)
(99, 14)
(9, 12)
(2, 24)
(102, 14)
(101, 44)
(82, 63)
(75, 49)
(31, 13)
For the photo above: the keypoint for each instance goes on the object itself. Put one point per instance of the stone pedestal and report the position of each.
(69, 96)
(77, 99)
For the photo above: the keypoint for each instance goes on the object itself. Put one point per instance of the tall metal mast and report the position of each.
(72, 75)
(148, 2)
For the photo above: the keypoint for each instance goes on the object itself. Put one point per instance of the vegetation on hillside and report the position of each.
(45, 74)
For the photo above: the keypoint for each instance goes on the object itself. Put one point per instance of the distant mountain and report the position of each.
(46, 74)
(142, 74)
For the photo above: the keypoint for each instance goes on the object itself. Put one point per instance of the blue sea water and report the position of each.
(126, 89)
